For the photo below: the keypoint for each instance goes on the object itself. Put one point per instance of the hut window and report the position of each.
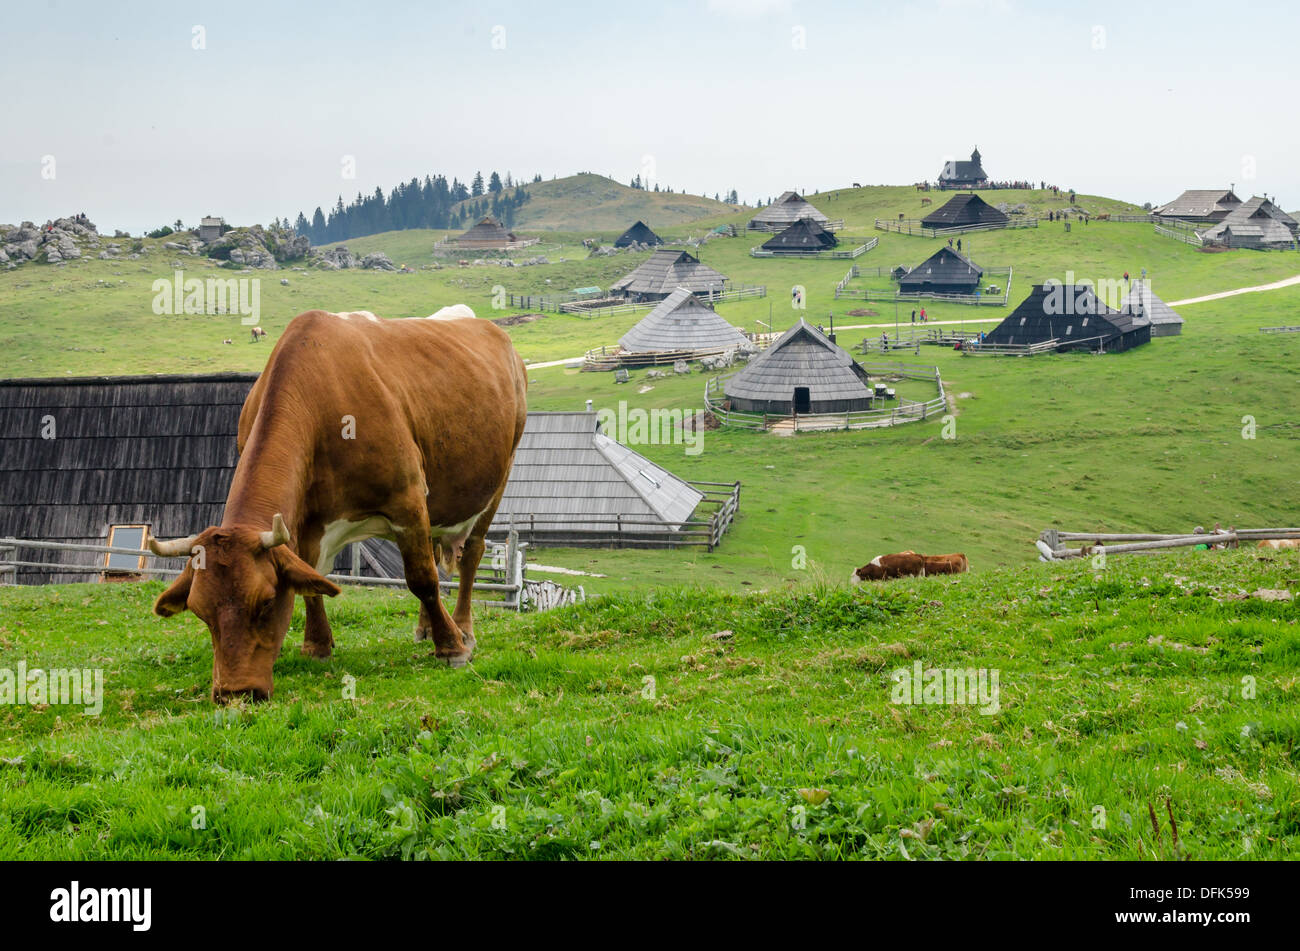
(125, 536)
(1069, 330)
(1085, 321)
(1022, 321)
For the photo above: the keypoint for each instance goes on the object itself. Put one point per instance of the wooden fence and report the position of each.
(705, 529)
(1185, 236)
(1279, 330)
(1054, 545)
(905, 412)
(842, 290)
(855, 251)
(914, 226)
(832, 224)
(502, 577)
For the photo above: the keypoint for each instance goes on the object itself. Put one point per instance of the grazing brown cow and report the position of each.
(1279, 543)
(357, 428)
(953, 564)
(258, 334)
(926, 201)
(904, 564)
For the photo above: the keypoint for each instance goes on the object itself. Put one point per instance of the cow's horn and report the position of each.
(278, 535)
(176, 548)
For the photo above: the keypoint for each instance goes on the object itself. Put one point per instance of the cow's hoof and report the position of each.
(318, 651)
(455, 660)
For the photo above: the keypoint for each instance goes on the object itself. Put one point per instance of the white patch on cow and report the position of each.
(876, 561)
(341, 533)
(853, 578)
(454, 312)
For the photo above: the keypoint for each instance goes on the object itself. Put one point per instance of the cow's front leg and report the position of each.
(435, 623)
(317, 637)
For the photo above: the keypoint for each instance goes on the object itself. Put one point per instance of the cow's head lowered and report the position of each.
(241, 583)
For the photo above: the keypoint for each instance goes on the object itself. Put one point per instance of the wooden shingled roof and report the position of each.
(1201, 204)
(566, 467)
(1257, 221)
(488, 229)
(639, 233)
(806, 235)
(668, 269)
(801, 357)
(1142, 300)
(681, 322)
(785, 211)
(946, 267)
(964, 209)
(1073, 315)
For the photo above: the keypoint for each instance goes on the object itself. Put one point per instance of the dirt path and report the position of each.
(1276, 285)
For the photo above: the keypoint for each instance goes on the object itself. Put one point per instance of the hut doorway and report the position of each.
(802, 400)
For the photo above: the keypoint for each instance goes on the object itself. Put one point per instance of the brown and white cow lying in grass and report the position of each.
(908, 564)
(1280, 543)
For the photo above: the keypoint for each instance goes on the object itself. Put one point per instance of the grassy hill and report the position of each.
(588, 202)
(688, 723)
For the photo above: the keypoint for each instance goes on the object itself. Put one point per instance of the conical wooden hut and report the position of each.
(784, 212)
(682, 322)
(1142, 302)
(639, 233)
(963, 211)
(805, 236)
(665, 271)
(803, 372)
(1072, 316)
(488, 234)
(944, 272)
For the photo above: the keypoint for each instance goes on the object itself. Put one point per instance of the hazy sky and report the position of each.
(145, 112)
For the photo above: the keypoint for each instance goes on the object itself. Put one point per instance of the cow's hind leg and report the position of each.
(471, 556)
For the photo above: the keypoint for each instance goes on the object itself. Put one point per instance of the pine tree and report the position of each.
(476, 188)
(494, 184)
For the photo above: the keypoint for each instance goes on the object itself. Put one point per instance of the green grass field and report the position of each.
(1121, 689)
(688, 723)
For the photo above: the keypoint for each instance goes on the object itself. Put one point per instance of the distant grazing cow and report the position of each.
(1279, 543)
(926, 201)
(953, 564)
(856, 185)
(358, 428)
(1105, 217)
(258, 334)
(905, 564)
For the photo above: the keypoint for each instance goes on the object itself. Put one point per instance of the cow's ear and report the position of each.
(301, 577)
(173, 600)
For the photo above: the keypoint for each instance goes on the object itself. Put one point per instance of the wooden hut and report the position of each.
(665, 271)
(785, 211)
(802, 372)
(805, 236)
(1207, 205)
(959, 174)
(112, 460)
(964, 211)
(639, 233)
(488, 234)
(1142, 302)
(1257, 223)
(944, 272)
(682, 322)
(94, 460)
(1072, 317)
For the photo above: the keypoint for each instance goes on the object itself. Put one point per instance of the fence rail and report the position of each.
(1186, 237)
(913, 226)
(842, 290)
(714, 515)
(507, 581)
(1279, 330)
(906, 411)
(1053, 544)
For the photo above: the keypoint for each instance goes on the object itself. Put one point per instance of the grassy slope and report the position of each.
(588, 202)
(1120, 690)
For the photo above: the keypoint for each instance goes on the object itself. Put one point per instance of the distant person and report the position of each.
(1126, 277)
(923, 315)
(913, 315)
(959, 244)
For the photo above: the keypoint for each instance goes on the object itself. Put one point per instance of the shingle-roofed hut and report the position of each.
(79, 456)
(1200, 204)
(1143, 302)
(805, 236)
(682, 322)
(785, 211)
(944, 272)
(666, 270)
(487, 234)
(639, 233)
(1072, 315)
(802, 372)
(1257, 223)
(962, 211)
